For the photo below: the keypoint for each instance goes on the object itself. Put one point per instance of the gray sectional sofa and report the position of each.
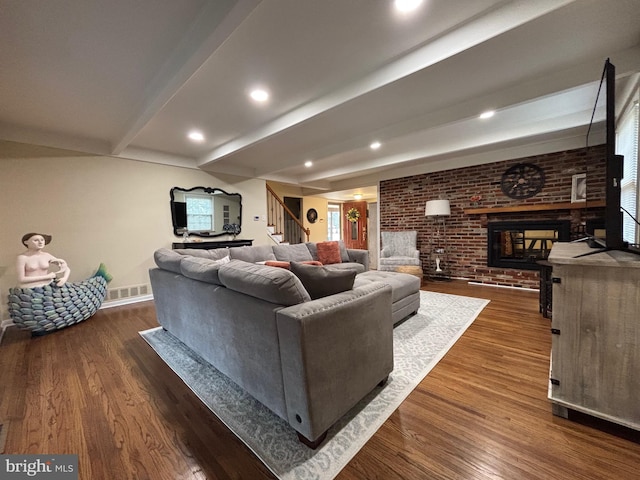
(308, 360)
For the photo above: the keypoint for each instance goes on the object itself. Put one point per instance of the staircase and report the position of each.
(277, 238)
(280, 219)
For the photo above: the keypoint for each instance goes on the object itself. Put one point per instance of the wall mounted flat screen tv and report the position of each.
(611, 237)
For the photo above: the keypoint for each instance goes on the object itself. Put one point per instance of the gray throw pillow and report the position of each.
(323, 281)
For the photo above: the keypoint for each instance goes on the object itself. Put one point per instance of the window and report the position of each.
(333, 223)
(199, 213)
(627, 145)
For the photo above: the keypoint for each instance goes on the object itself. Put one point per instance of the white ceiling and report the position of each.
(131, 78)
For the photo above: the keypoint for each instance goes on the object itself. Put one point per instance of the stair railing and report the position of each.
(283, 220)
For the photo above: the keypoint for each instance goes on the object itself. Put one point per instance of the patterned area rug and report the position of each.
(419, 343)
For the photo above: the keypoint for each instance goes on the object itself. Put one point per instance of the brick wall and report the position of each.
(402, 203)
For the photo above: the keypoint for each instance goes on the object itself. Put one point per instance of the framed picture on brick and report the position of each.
(579, 188)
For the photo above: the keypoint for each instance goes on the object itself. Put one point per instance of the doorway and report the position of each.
(292, 231)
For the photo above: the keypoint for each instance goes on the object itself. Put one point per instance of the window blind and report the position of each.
(627, 145)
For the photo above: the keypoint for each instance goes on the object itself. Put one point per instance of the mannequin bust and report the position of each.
(37, 268)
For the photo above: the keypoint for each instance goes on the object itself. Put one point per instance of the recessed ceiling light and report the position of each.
(405, 6)
(259, 95)
(308, 163)
(196, 136)
(487, 114)
(375, 145)
(358, 196)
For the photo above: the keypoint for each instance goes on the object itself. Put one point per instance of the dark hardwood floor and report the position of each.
(98, 390)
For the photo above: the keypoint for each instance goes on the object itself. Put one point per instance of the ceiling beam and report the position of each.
(509, 16)
(215, 23)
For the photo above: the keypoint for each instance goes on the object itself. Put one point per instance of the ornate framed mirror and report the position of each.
(205, 212)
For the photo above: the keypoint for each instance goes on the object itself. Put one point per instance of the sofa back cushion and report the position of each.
(343, 251)
(323, 281)
(211, 253)
(275, 285)
(297, 252)
(202, 269)
(259, 253)
(168, 259)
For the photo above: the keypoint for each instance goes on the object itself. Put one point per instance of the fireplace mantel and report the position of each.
(535, 207)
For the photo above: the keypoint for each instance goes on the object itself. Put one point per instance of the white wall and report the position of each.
(101, 209)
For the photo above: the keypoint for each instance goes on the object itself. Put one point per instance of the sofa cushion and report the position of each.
(357, 267)
(213, 253)
(297, 252)
(402, 284)
(287, 265)
(328, 253)
(323, 281)
(343, 251)
(275, 285)
(258, 253)
(168, 259)
(202, 269)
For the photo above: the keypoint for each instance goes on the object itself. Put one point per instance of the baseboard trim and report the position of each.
(126, 301)
(3, 326)
(503, 286)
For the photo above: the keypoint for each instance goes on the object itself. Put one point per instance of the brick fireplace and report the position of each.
(402, 202)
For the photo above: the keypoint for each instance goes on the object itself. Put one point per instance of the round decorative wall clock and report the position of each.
(522, 181)
(312, 215)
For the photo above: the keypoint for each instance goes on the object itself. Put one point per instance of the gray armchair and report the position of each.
(398, 249)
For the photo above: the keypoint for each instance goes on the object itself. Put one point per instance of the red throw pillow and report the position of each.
(287, 265)
(275, 263)
(329, 252)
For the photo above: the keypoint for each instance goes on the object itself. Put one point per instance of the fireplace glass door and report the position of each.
(522, 244)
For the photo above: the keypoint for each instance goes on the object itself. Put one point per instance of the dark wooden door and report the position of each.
(354, 230)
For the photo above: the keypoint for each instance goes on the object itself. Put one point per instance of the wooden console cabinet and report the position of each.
(595, 354)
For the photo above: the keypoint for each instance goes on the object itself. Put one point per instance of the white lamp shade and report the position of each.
(436, 208)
